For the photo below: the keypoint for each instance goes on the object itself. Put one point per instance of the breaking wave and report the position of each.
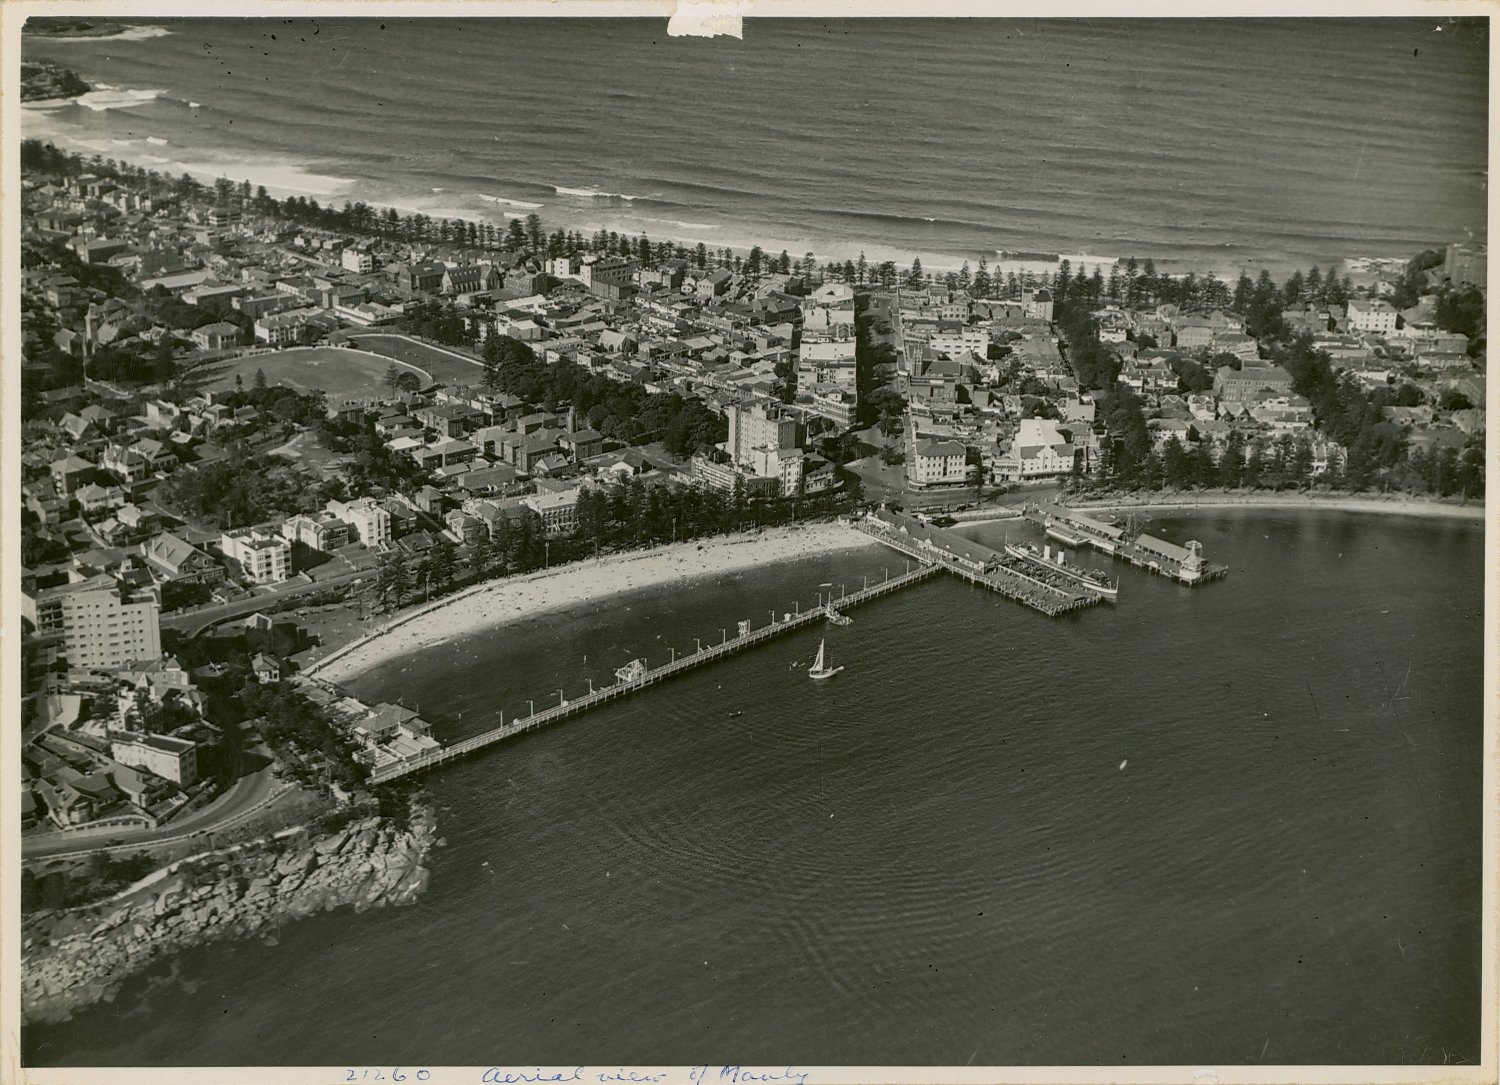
(107, 97)
(593, 193)
(510, 203)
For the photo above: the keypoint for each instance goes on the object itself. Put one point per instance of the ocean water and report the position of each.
(1234, 824)
(1205, 144)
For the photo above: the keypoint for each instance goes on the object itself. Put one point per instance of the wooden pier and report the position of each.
(643, 676)
(933, 549)
(1184, 564)
(1012, 577)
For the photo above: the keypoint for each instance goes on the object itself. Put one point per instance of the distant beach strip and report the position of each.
(1023, 187)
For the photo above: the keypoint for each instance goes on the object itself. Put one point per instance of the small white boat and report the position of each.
(820, 667)
(838, 619)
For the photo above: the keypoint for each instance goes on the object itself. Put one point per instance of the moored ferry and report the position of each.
(1089, 578)
(1184, 563)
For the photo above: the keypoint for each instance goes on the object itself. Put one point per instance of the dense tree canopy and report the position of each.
(244, 488)
(626, 412)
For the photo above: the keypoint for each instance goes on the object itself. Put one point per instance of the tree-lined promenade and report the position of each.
(631, 515)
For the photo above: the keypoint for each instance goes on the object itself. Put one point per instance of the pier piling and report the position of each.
(644, 677)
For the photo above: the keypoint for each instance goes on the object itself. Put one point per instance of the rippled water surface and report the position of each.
(1228, 824)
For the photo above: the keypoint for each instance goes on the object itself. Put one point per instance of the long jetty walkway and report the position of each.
(638, 676)
(1050, 593)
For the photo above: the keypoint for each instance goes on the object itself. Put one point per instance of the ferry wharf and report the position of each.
(1183, 563)
(1023, 582)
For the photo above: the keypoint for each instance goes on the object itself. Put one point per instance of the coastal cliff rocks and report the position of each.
(44, 80)
(74, 958)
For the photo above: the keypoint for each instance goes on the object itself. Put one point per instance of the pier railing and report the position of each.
(1128, 548)
(649, 677)
(1000, 575)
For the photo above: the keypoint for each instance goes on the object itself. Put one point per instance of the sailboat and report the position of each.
(820, 667)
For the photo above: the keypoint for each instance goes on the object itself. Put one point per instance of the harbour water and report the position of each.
(1237, 823)
(1210, 145)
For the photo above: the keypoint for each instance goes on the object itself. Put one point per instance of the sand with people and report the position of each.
(516, 598)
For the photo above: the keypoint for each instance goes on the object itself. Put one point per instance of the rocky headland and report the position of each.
(43, 81)
(71, 959)
(69, 28)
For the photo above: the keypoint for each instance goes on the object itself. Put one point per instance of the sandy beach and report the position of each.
(514, 598)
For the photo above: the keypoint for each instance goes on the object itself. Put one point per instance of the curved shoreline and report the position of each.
(1216, 499)
(504, 601)
(1397, 506)
(497, 603)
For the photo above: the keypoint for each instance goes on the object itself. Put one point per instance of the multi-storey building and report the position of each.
(358, 260)
(559, 510)
(1371, 316)
(936, 463)
(107, 627)
(958, 341)
(1250, 383)
(264, 557)
(170, 758)
(368, 522)
(321, 531)
(1465, 265)
(932, 462)
(756, 426)
(44, 608)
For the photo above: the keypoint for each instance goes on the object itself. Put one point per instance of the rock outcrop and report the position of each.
(42, 80)
(70, 959)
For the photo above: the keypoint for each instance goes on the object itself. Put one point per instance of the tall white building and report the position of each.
(755, 427)
(265, 558)
(783, 464)
(832, 362)
(932, 462)
(936, 463)
(170, 758)
(1371, 316)
(357, 260)
(974, 341)
(368, 522)
(105, 628)
(767, 443)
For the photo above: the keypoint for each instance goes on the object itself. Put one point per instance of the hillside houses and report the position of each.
(986, 374)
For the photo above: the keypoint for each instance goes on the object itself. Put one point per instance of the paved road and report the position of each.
(244, 796)
(195, 620)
